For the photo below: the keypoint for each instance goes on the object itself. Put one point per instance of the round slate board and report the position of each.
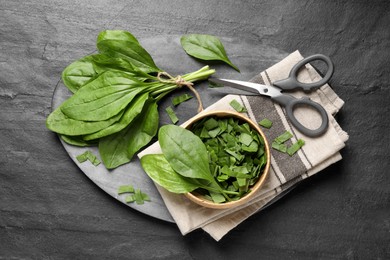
(250, 57)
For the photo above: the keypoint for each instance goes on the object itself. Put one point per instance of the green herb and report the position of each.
(60, 123)
(205, 47)
(180, 99)
(116, 93)
(137, 106)
(88, 155)
(215, 85)
(245, 139)
(76, 140)
(279, 147)
(172, 115)
(222, 167)
(118, 50)
(237, 106)
(82, 157)
(283, 137)
(295, 147)
(129, 199)
(236, 155)
(185, 152)
(217, 197)
(266, 123)
(138, 196)
(126, 189)
(279, 144)
(117, 148)
(123, 45)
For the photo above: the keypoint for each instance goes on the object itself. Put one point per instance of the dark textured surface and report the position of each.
(50, 210)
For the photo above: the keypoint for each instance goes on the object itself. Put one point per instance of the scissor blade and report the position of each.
(248, 86)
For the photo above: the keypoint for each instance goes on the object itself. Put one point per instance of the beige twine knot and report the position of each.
(180, 81)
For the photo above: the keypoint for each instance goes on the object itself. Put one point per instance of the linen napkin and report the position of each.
(285, 171)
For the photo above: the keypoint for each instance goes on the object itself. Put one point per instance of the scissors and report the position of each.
(288, 101)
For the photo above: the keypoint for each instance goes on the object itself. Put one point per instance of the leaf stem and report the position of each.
(162, 86)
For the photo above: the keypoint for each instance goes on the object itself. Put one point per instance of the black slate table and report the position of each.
(50, 210)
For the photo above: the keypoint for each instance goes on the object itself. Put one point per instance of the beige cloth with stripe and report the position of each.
(285, 171)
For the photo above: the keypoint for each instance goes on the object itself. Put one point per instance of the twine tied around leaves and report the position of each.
(180, 81)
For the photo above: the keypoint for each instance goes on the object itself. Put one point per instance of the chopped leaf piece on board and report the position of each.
(88, 155)
(138, 196)
(126, 189)
(129, 199)
(237, 106)
(295, 147)
(180, 99)
(145, 196)
(266, 123)
(82, 157)
(172, 115)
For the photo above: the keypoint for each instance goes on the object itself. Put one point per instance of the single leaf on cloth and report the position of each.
(205, 47)
(186, 152)
(119, 148)
(161, 172)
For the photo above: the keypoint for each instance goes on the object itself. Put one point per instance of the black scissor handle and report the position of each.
(292, 81)
(290, 103)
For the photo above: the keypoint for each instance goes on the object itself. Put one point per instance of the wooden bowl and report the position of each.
(198, 198)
